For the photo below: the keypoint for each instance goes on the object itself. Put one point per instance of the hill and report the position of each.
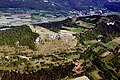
(113, 6)
(52, 4)
(95, 55)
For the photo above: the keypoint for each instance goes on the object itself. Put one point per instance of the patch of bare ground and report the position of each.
(105, 54)
(81, 78)
(55, 45)
(117, 40)
(50, 42)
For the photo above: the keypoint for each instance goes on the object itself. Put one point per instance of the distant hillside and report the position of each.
(51, 4)
(113, 6)
(103, 27)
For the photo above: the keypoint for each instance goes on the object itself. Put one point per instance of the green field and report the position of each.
(89, 42)
(78, 30)
(111, 45)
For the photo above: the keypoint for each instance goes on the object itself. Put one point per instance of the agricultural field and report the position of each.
(61, 51)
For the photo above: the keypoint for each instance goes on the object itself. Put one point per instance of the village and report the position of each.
(17, 16)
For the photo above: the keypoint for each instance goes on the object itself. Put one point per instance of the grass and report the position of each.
(73, 29)
(7, 68)
(93, 76)
(97, 49)
(89, 42)
(78, 30)
(95, 73)
(117, 40)
(109, 57)
(37, 17)
(111, 45)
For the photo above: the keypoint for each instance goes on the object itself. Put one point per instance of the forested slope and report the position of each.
(23, 34)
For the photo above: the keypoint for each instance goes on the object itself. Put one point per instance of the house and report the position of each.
(110, 23)
(77, 69)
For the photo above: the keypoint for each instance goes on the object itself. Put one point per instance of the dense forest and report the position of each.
(23, 34)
